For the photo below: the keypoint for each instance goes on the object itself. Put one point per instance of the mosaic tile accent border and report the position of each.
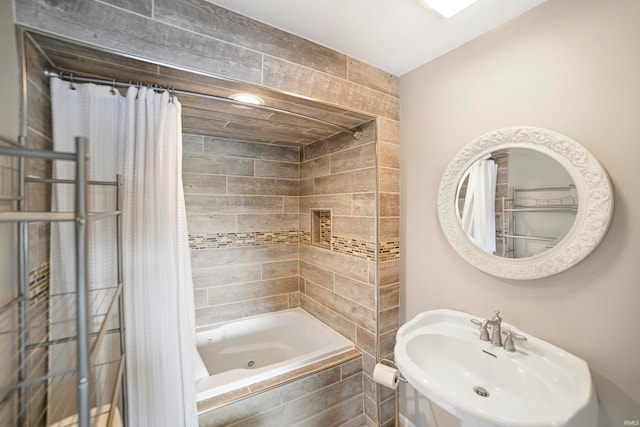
(359, 248)
(389, 251)
(353, 247)
(39, 284)
(305, 237)
(237, 240)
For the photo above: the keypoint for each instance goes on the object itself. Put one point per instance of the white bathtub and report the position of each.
(243, 352)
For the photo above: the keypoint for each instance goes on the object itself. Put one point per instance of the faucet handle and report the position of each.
(508, 341)
(484, 333)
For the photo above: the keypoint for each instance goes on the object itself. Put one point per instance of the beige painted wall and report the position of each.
(572, 66)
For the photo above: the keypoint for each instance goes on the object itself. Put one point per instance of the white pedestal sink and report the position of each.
(441, 355)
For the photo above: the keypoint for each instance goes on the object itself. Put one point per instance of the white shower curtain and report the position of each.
(160, 311)
(139, 136)
(478, 213)
(91, 111)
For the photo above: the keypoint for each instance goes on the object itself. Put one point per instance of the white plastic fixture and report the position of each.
(247, 98)
(446, 8)
(441, 355)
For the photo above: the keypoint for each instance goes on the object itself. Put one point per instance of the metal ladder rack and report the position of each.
(555, 200)
(14, 395)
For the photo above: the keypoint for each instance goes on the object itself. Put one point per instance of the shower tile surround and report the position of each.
(253, 254)
(38, 198)
(340, 286)
(244, 238)
(241, 237)
(327, 392)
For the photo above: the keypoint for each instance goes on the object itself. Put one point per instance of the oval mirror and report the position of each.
(524, 203)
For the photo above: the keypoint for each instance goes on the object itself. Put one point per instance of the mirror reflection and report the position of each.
(516, 202)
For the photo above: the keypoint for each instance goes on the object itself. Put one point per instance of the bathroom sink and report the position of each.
(440, 354)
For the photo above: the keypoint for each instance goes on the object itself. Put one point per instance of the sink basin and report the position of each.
(440, 354)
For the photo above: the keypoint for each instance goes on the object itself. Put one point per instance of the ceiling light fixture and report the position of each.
(446, 8)
(247, 98)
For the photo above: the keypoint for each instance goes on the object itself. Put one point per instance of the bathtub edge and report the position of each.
(233, 396)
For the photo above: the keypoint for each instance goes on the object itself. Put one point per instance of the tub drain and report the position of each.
(250, 364)
(481, 391)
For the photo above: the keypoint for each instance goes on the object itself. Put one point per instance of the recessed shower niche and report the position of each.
(321, 228)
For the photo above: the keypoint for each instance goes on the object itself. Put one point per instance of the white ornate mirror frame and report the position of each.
(595, 206)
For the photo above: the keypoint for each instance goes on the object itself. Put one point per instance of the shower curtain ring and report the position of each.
(72, 85)
(113, 87)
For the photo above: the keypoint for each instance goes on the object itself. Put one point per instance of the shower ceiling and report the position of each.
(205, 116)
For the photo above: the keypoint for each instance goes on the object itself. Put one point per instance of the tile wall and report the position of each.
(332, 397)
(503, 189)
(387, 272)
(39, 137)
(242, 212)
(339, 284)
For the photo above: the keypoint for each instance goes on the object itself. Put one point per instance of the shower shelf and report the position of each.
(27, 315)
(542, 209)
(520, 203)
(529, 237)
(533, 200)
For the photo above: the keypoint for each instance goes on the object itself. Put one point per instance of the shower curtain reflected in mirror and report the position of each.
(140, 137)
(479, 212)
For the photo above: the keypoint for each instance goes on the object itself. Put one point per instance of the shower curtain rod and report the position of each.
(70, 77)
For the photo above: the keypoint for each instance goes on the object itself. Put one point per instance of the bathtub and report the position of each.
(244, 352)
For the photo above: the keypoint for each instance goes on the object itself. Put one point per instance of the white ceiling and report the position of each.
(394, 35)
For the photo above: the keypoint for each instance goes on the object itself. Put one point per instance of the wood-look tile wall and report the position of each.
(388, 273)
(242, 214)
(200, 36)
(339, 283)
(39, 137)
(340, 286)
(204, 37)
(38, 198)
(332, 397)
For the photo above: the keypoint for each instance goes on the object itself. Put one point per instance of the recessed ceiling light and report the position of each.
(247, 98)
(446, 8)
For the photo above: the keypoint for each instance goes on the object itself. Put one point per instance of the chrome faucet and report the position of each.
(484, 333)
(496, 332)
(496, 329)
(495, 322)
(508, 341)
